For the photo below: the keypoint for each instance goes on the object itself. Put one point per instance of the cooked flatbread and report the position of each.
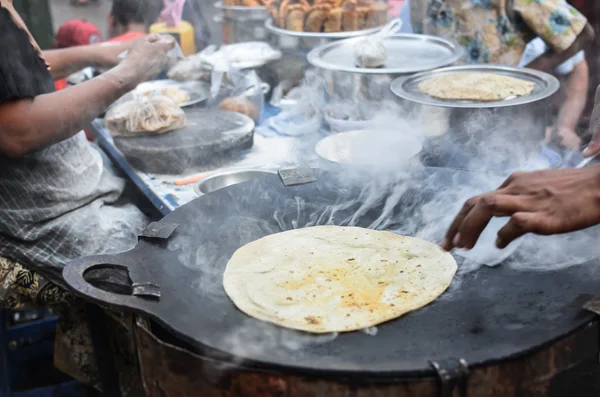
(482, 87)
(145, 115)
(336, 279)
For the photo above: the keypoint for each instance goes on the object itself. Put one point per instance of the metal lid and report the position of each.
(221, 6)
(408, 87)
(242, 13)
(407, 53)
(319, 35)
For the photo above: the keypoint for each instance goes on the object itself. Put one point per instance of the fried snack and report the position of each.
(334, 20)
(377, 15)
(316, 17)
(294, 19)
(240, 105)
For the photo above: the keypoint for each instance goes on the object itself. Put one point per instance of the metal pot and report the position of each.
(226, 179)
(406, 54)
(491, 135)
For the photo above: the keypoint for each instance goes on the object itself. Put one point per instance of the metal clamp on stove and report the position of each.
(453, 373)
(297, 176)
(590, 303)
(158, 231)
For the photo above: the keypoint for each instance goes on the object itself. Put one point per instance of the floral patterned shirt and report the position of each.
(497, 31)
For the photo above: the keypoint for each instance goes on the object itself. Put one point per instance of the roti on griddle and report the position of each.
(483, 87)
(336, 279)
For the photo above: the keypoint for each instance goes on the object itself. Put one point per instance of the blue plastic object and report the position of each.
(15, 361)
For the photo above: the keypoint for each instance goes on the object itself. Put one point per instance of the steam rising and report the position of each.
(409, 199)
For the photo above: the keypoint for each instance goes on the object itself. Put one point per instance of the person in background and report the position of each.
(130, 19)
(58, 199)
(498, 32)
(573, 98)
(75, 33)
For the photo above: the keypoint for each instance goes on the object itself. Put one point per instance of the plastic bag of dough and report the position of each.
(145, 115)
(370, 51)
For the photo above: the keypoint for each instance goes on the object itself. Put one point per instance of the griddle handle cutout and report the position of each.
(145, 295)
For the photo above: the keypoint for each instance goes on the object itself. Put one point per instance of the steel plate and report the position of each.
(241, 13)
(407, 53)
(407, 87)
(357, 147)
(198, 91)
(315, 35)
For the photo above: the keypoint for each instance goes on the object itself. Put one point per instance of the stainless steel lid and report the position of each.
(241, 13)
(316, 35)
(407, 53)
(407, 87)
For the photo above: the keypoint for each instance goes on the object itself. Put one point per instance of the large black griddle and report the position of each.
(493, 315)
(208, 136)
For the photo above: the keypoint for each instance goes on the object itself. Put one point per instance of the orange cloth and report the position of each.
(127, 37)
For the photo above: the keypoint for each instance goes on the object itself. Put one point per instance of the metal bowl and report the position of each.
(242, 14)
(228, 178)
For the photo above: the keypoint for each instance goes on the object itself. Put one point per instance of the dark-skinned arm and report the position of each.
(550, 60)
(64, 62)
(29, 125)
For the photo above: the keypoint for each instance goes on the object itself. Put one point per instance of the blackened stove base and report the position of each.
(497, 314)
(567, 368)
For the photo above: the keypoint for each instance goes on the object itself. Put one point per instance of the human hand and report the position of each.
(148, 55)
(544, 202)
(565, 137)
(594, 146)
(106, 55)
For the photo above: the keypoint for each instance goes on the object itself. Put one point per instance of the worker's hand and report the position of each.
(106, 55)
(594, 146)
(543, 202)
(148, 55)
(565, 137)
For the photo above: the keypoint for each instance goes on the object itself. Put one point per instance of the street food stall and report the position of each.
(297, 255)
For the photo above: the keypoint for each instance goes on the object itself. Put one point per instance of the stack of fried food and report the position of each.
(244, 3)
(327, 16)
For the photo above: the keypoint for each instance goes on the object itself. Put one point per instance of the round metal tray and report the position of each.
(315, 35)
(225, 179)
(407, 53)
(358, 147)
(198, 91)
(242, 13)
(407, 87)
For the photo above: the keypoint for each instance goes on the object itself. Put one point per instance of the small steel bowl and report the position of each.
(226, 179)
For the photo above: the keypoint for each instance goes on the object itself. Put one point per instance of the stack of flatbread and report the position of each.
(145, 115)
(336, 279)
(483, 87)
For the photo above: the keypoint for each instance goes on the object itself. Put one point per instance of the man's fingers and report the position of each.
(448, 242)
(594, 129)
(519, 224)
(488, 206)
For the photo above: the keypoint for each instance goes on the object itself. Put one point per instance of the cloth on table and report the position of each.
(59, 203)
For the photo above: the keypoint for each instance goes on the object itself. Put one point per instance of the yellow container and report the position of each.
(183, 33)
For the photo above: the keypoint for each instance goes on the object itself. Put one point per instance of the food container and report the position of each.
(226, 179)
(496, 135)
(369, 148)
(241, 13)
(406, 54)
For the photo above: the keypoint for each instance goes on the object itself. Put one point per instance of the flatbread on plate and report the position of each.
(483, 87)
(336, 279)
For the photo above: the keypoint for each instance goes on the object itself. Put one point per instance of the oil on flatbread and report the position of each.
(336, 279)
(483, 87)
